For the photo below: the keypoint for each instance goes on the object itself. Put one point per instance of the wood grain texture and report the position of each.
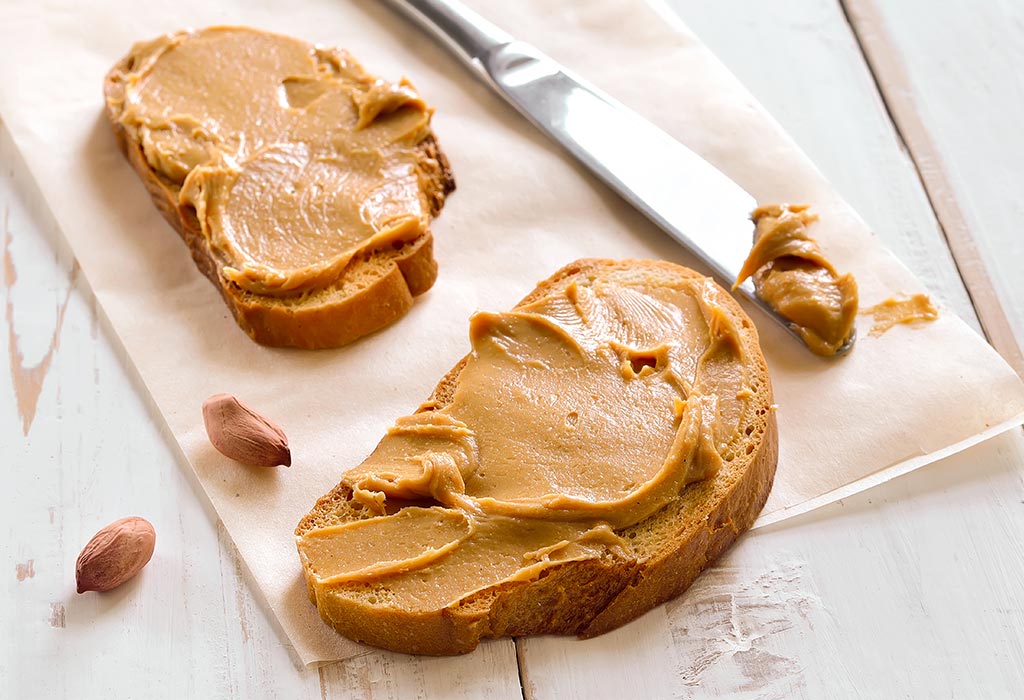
(380, 675)
(93, 454)
(188, 626)
(908, 590)
(802, 62)
(830, 604)
(959, 112)
(901, 591)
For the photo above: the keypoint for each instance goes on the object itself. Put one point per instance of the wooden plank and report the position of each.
(802, 62)
(784, 614)
(876, 593)
(489, 672)
(81, 450)
(951, 79)
(906, 590)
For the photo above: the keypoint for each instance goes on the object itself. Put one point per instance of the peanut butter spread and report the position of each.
(915, 309)
(293, 157)
(575, 416)
(793, 276)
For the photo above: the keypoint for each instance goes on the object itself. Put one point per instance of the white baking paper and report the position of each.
(522, 210)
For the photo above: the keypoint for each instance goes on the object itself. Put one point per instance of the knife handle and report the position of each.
(467, 34)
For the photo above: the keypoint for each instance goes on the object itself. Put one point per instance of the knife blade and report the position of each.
(683, 194)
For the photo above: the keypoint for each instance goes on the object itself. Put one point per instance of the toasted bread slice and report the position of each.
(374, 288)
(661, 554)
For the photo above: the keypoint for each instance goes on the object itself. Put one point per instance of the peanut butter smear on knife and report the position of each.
(793, 276)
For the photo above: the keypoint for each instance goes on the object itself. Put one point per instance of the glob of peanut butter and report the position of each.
(793, 276)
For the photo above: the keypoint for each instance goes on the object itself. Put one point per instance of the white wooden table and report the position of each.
(912, 589)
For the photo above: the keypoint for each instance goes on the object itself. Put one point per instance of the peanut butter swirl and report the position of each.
(577, 415)
(293, 157)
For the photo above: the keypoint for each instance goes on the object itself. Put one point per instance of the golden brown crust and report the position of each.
(666, 577)
(375, 289)
(588, 597)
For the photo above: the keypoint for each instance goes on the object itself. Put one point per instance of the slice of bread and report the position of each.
(373, 290)
(664, 552)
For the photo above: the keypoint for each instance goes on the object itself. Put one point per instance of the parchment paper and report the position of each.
(521, 211)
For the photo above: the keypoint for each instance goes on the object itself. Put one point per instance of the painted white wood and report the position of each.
(911, 590)
(908, 590)
(489, 672)
(89, 453)
(802, 62)
(954, 79)
(186, 627)
(877, 596)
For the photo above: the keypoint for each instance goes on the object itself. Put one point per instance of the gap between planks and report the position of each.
(524, 689)
(893, 85)
(889, 76)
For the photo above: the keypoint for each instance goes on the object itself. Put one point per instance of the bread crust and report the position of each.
(590, 597)
(374, 290)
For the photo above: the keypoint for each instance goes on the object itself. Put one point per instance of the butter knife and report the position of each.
(687, 197)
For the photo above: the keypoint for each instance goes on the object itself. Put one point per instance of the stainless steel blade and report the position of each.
(682, 193)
